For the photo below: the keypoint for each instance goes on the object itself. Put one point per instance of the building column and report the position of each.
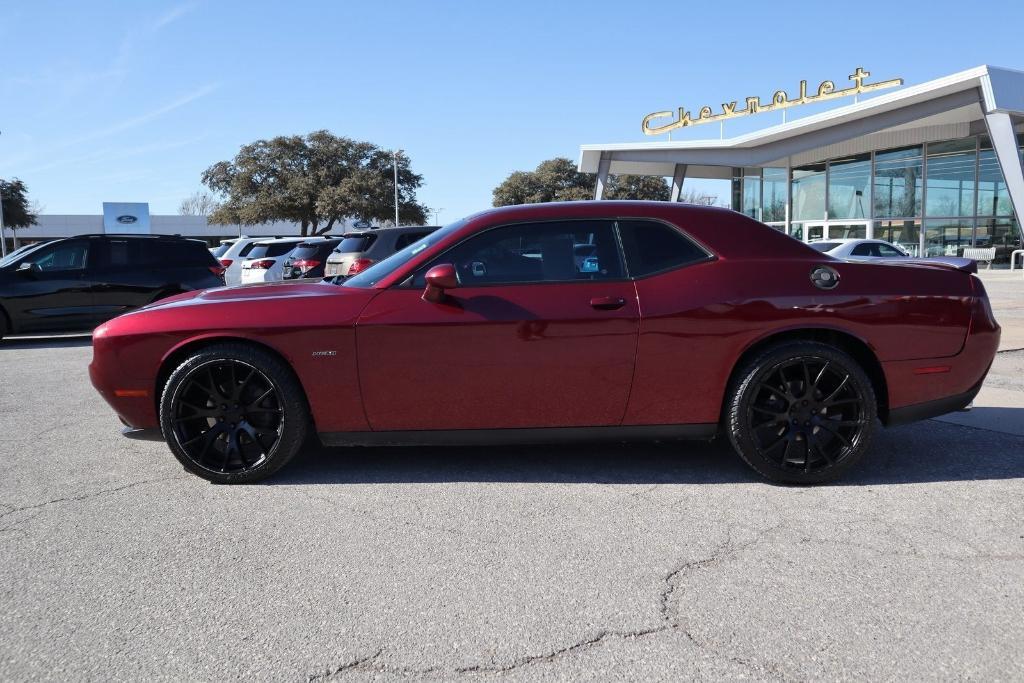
(678, 176)
(602, 174)
(1004, 144)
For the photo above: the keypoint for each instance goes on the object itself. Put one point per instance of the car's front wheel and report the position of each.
(233, 413)
(801, 413)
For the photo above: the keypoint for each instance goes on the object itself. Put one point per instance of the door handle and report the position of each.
(607, 303)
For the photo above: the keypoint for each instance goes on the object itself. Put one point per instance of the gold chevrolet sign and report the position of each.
(780, 100)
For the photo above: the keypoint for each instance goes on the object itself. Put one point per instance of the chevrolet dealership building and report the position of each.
(934, 167)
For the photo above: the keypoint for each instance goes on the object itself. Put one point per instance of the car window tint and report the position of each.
(408, 238)
(62, 256)
(535, 252)
(864, 250)
(244, 251)
(652, 247)
(356, 244)
(222, 248)
(307, 250)
(272, 250)
(886, 250)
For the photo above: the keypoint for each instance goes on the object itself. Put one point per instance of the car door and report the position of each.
(528, 339)
(58, 294)
(128, 272)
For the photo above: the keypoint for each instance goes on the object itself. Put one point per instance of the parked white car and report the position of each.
(265, 262)
(859, 249)
(232, 252)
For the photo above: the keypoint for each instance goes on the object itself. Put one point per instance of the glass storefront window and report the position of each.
(848, 232)
(796, 231)
(993, 199)
(848, 187)
(947, 236)
(1001, 233)
(907, 234)
(950, 182)
(809, 192)
(752, 193)
(773, 194)
(898, 183)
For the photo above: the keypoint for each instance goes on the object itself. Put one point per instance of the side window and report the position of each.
(408, 238)
(62, 256)
(566, 251)
(886, 250)
(652, 247)
(862, 250)
(118, 253)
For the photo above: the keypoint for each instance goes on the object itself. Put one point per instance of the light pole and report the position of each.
(437, 212)
(396, 153)
(3, 237)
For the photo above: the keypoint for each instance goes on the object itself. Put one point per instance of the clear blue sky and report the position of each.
(130, 101)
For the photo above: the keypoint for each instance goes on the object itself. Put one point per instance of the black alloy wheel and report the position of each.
(802, 413)
(233, 414)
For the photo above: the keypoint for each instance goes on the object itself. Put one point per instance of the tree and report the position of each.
(17, 210)
(315, 180)
(198, 204)
(557, 180)
(692, 196)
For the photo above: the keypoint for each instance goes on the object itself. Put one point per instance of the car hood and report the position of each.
(258, 291)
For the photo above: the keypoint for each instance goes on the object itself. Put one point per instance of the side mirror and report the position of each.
(440, 278)
(29, 268)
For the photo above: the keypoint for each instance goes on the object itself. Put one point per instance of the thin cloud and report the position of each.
(114, 154)
(173, 14)
(148, 116)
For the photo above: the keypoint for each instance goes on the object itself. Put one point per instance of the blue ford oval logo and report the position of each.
(127, 220)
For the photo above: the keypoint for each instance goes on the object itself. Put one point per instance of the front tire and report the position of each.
(801, 413)
(234, 414)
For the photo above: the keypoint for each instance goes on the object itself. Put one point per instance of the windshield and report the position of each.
(824, 246)
(19, 253)
(222, 248)
(377, 272)
(271, 250)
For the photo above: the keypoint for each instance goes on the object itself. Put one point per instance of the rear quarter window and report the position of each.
(408, 238)
(652, 247)
(271, 250)
(356, 244)
(172, 253)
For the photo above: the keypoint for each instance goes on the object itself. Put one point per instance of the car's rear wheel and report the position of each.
(233, 414)
(801, 413)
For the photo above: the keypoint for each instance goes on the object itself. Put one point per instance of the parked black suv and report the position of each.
(308, 259)
(79, 282)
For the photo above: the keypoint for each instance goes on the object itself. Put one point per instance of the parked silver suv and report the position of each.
(360, 250)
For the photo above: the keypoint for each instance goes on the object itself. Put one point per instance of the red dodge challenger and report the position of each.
(589, 320)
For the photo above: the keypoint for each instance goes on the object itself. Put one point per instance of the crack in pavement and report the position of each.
(346, 667)
(669, 624)
(87, 496)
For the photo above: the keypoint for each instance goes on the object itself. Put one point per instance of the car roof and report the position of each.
(400, 228)
(272, 240)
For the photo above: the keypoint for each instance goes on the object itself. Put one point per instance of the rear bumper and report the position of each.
(940, 406)
(928, 387)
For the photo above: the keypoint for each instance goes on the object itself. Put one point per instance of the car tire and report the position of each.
(234, 413)
(801, 413)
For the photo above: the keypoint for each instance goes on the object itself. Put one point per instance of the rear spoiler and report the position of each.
(965, 265)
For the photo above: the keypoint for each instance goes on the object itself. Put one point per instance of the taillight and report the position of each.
(262, 265)
(359, 265)
(226, 262)
(305, 264)
(218, 270)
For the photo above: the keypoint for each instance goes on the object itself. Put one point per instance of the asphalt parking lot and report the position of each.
(652, 561)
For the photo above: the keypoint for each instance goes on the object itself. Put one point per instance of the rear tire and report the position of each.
(234, 414)
(801, 413)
